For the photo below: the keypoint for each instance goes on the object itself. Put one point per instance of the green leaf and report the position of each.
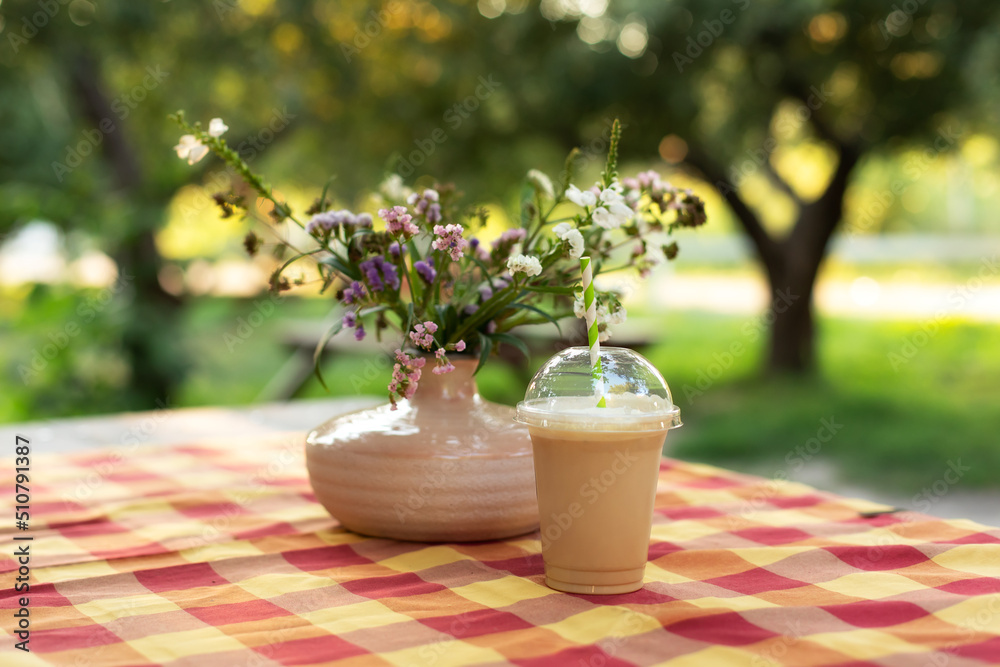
(337, 262)
(568, 170)
(409, 320)
(318, 353)
(539, 311)
(527, 195)
(371, 310)
(322, 197)
(451, 318)
(510, 339)
(361, 232)
(485, 348)
(485, 269)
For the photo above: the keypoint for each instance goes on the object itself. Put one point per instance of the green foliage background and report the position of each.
(366, 84)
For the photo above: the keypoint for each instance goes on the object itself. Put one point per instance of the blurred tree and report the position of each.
(765, 99)
(734, 89)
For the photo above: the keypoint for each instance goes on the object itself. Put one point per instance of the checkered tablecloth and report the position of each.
(217, 554)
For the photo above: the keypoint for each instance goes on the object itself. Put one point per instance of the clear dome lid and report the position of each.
(564, 394)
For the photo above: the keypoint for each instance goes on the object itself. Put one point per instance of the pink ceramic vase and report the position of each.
(446, 466)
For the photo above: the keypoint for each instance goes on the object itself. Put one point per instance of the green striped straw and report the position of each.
(590, 305)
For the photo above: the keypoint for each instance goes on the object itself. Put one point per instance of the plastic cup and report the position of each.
(596, 468)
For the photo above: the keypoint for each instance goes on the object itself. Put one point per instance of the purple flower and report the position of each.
(510, 237)
(377, 270)
(359, 332)
(372, 275)
(350, 319)
(503, 245)
(328, 221)
(355, 292)
(485, 292)
(390, 274)
(426, 203)
(471, 308)
(323, 223)
(478, 251)
(364, 220)
(426, 270)
(395, 250)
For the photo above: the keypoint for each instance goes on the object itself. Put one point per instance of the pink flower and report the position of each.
(397, 221)
(423, 334)
(441, 370)
(405, 376)
(510, 237)
(439, 353)
(460, 346)
(449, 239)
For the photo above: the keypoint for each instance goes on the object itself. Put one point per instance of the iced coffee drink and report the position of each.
(596, 468)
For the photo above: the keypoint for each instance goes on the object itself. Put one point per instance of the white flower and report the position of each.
(567, 232)
(216, 128)
(394, 189)
(614, 212)
(541, 183)
(604, 218)
(578, 308)
(579, 197)
(606, 318)
(526, 264)
(191, 149)
(615, 201)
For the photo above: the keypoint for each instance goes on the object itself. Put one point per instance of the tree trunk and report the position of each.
(151, 332)
(792, 263)
(790, 313)
(792, 269)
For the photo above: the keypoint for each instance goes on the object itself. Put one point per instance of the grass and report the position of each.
(910, 396)
(899, 419)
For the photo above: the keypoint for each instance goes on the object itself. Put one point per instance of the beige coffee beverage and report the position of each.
(596, 468)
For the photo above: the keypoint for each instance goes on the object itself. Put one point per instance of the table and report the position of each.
(213, 551)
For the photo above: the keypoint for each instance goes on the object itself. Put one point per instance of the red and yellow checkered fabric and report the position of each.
(217, 554)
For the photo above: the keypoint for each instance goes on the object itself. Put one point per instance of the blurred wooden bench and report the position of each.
(300, 338)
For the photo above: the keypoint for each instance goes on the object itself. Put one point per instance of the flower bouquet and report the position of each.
(421, 272)
(442, 464)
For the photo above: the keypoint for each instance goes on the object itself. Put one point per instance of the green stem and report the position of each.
(489, 310)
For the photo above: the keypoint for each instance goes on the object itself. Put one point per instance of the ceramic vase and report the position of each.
(445, 466)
